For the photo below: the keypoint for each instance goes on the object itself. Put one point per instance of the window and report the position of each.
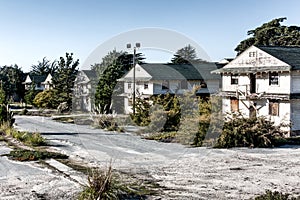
(129, 86)
(165, 85)
(252, 54)
(273, 108)
(234, 79)
(234, 105)
(146, 86)
(273, 78)
(184, 84)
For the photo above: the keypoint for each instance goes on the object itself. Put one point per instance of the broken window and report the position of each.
(146, 86)
(234, 79)
(165, 85)
(273, 108)
(234, 105)
(273, 78)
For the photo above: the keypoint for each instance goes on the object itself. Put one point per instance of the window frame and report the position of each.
(273, 79)
(146, 86)
(273, 107)
(234, 79)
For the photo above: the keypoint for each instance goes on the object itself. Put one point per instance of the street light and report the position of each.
(137, 45)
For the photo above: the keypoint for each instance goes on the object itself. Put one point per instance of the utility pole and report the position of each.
(137, 45)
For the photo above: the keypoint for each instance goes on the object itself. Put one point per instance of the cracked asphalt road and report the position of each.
(187, 173)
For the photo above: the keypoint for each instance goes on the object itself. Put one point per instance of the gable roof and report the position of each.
(38, 78)
(288, 54)
(91, 74)
(288, 59)
(159, 71)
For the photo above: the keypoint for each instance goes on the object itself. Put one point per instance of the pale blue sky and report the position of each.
(33, 29)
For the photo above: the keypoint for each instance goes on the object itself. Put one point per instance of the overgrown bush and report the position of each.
(31, 139)
(269, 195)
(101, 185)
(45, 99)
(106, 121)
(142, 116)
(6, 116)
(250, 132)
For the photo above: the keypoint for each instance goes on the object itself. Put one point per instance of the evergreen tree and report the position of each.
(44, 67)
(108, 78)
(271, 34)
(63, 80)
(30, 94)
(185, 55)
(2, 95)
(12, 78)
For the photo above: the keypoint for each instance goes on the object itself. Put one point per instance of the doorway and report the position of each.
(252, 83)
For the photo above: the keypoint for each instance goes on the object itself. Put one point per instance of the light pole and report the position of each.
(137, 45)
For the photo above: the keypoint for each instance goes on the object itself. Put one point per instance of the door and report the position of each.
(252, 83)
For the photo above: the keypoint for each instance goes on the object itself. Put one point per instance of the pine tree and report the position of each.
(63, 80)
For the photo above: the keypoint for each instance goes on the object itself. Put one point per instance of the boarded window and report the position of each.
(184, 84)
(273, 78)
(234, 79)
(234, 105)
(165, 85)
(273, 108)
(146, 86)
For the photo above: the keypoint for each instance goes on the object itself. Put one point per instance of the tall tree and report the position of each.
(44, 67)
(185, 55)
(118, 63)
(11, 79)
(63, 80)
(272, 33)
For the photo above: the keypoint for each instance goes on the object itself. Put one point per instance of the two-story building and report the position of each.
(155, 78)
(264, 81)
(84, 90)
(41, 82)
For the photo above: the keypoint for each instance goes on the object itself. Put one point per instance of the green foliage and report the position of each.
(27, 155)
(30, 94)
(44, 67)
(269, 195)
(45, 99)
(63, 80)
(171, 107)
(2, 95)
(114, 65)
(31, 139)
(11, 80)
(271, 34)
(106, 121)
(141, 116)
(185, 55)
(6, 116)
(250, 132)
(101, 185)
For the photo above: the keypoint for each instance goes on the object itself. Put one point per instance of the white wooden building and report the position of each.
(264, 81)
(41, 82)
(84, 91)
(154, 79)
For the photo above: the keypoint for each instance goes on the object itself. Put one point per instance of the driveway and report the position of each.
(187, 173)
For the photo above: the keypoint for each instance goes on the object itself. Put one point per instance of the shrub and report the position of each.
(6, 116)
(269, 195)
(45, 99)
(106, 121)
(101, 185)
(27, 155)
(250, 132)
(142, 116)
